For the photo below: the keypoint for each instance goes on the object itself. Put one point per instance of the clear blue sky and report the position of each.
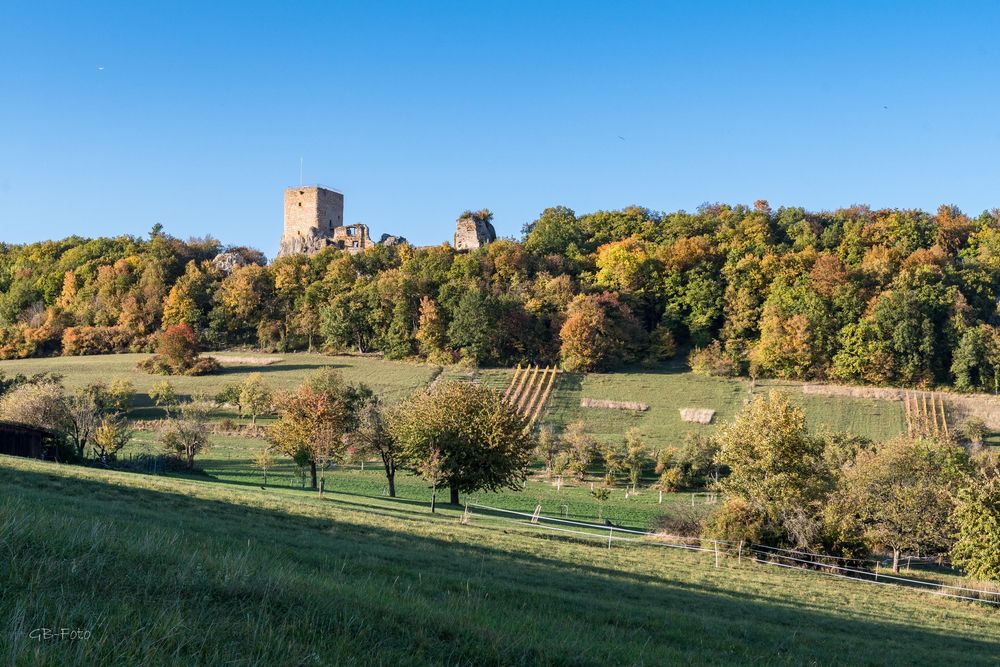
(417, 111)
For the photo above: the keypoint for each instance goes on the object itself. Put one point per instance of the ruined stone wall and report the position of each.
(353, 238)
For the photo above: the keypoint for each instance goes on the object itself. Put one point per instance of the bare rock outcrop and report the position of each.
(474, 229)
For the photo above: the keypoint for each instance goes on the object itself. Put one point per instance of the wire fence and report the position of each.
(822, 564)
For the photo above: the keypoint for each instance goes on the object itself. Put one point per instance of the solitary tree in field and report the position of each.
(82, 416)
(482, 441)
(670, 479)
(613, 456)
(255, 398)
(549, 447)
(372, 437)
(636, 453)
(580, 448)
(186, 434)
(313, 420)
(430, 468)
(163, 395)
(264, 461)
(178, 346)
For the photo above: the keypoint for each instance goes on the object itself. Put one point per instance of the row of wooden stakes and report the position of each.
(923, 421)
(530, 388)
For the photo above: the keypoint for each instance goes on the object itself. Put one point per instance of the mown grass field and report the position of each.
(168, 571)
(669, 388)
(665, 389)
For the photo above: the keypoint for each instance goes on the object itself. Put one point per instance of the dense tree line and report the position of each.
(878, 296)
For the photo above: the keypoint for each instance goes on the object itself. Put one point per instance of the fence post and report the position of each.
(740, 557)
(611, 532)
(716, 553)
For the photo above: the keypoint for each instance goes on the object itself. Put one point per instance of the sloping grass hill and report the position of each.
(666, 389)
(180, 571)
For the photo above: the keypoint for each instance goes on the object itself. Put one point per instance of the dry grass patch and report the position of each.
(613, 405)
(247, 361)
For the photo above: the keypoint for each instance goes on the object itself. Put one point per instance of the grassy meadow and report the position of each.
(213, 567)
(163, 570)
(666, 389)
(229, 461)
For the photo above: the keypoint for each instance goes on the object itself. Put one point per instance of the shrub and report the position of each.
(78, 341)
(682, 521)
(15, 343)
(977, 517)
(177, 354)
(662, 344)
(155, 365)
(178, 346)
(204, 366)
(735, 519)
(711, 360)
(975, 431)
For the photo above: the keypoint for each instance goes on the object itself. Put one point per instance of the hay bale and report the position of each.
(697, 415)
(613, 405)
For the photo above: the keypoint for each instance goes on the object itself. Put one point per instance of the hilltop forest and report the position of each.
(857, 295)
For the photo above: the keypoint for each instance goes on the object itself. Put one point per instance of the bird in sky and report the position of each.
(621, 137)
(100, 68)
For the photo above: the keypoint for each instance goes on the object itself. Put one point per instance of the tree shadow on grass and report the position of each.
(538, 609)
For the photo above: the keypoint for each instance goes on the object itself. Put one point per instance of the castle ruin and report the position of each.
(314, 219)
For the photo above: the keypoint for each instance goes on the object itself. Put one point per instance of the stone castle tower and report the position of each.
(314, 219)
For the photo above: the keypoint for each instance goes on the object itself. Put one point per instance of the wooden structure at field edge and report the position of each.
(925, 419)
(18, 439)
(530, 388)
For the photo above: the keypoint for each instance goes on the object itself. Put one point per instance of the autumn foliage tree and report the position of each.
(372, 437)
(314, 420)
(778, 475)
(481, 441)
(600, 332)
(899, 495)
(177, 353)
